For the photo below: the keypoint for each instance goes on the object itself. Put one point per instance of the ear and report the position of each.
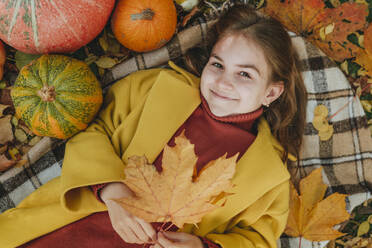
(273, 92)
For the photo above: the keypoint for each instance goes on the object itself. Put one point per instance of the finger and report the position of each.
(130, 237)
(123, 234)
(174, 236)
(164, 241)
(138, 231)
(157, 246)
(135, 238)
(127, 225)
(148, 229)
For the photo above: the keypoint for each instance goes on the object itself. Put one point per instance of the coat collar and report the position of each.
(170, 102)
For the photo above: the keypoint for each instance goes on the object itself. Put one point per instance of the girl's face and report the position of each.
(236, 77)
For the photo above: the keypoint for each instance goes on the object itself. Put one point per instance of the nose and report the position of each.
(224, 82)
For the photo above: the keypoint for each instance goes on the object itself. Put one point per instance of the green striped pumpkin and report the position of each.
(56, 96)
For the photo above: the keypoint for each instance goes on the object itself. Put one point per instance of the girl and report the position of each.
(250, 99)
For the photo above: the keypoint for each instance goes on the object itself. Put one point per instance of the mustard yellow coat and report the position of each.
(140, 115)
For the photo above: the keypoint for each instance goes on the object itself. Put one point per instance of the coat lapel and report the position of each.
(170, 102)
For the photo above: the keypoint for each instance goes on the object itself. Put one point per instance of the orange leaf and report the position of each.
(312, 195)
(368, 40)
(337, 24)
(324, 216)
(296, 214)
(327, 28)
(299, 16)
(310, 216)
(187, 18)
(172, 195)
(364, 60)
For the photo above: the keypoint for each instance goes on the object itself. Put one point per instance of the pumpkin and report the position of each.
(144, 25)
(2, 59)
(56, 96)
(50, 26)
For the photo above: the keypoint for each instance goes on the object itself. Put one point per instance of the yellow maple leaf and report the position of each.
(320, 123)
(173, 195)
(310, 216)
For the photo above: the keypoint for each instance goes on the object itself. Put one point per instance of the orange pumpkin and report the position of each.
(144, 25)
(2, 59)
(58, 26)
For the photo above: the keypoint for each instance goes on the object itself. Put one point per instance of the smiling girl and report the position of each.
(236, 77)
(250, 99)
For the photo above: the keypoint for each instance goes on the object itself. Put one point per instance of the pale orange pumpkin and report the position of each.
(144, 25)
(2, 59)
(58, 26)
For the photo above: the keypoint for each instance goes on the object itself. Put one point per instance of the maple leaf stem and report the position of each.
(168, 227)
(299, 244)
(348, 102)
(162, 226)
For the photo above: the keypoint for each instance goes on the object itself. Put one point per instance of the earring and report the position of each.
(267, 105)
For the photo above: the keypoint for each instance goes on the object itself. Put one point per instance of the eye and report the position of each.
(217, 65)
(244, 74)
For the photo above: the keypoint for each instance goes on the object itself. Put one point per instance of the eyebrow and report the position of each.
(242, 66)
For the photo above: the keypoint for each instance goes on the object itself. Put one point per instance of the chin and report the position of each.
(219, 113)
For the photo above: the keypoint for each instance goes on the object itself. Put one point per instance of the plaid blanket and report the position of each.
(346, 157)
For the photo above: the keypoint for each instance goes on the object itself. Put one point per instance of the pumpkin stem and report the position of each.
(146, 14)
(47, 93)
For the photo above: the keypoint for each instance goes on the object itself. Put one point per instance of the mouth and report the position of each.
(222, 96)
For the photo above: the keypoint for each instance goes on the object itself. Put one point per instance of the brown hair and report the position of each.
(286, 115)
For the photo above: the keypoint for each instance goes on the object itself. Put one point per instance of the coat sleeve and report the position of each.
(91, 157)
(260, 225)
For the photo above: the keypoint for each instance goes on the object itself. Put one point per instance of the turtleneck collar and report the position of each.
(244, 120)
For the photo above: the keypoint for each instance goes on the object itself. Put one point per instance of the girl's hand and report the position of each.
(177, 240)
(130, 228)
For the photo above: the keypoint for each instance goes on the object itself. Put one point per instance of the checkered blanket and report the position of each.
(346, 158)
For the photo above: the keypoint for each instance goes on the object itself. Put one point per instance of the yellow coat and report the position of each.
(140, 115)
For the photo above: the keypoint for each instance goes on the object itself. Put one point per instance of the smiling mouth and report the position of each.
(221, 96)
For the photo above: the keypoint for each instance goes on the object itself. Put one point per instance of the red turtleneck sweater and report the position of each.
(212, 136)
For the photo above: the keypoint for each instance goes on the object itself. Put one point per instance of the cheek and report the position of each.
(244, 89)
(206, 80)
(249, 93)
(203, 85)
